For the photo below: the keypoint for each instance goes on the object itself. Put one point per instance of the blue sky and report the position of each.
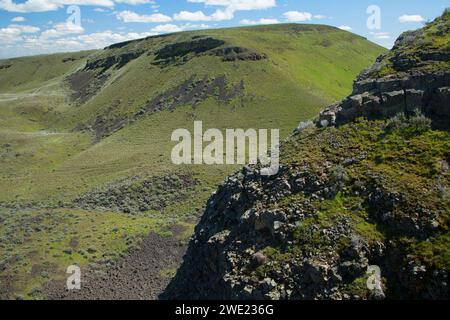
(44, 26)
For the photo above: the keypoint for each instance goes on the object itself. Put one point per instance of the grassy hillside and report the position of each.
(95, 124)
(423, 50)
(21, 74)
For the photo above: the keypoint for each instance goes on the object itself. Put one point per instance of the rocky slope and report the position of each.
(368, 192)
(413, 75)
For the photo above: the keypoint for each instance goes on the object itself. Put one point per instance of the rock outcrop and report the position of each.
(119, 60)
(414, 75)
(5, 66)
(385, 97)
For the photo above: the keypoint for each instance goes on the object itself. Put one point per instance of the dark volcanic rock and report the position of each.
(415, 74)
(85, 84)
(170, 52)
(5, 66)
(386, 97)
(119, 60)
(182, 52)
(139, 275)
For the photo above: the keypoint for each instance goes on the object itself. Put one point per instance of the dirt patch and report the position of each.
(139, 276)
(36, 269)
(72, 59)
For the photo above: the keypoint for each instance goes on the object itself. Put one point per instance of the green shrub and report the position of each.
(419, 123)
(339, 178)
(398, 122)
(415, 124)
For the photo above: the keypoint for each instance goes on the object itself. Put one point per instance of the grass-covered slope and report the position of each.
(91, 133)
(419, 51)
(21, 74)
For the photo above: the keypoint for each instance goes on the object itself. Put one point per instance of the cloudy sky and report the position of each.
(44, 26)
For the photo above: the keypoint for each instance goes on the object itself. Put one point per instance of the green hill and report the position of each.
(85, 137)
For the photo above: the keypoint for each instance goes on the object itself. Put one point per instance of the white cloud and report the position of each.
(218, 15)
(381, 35)
(260, 21)
(24, 28)
(10, 35)
(52, 5)
(14, 33)
(62, 29)
(319, 16)
(49, 5)
(221, 15)
(190, 26)
(167, 28)
(229, 7)
(410, 18)
(130, 16)
(134, 2)
(191, 16)
(37, 45)
(18, 19)
(346, 28)
(296, 16)
(239, 5)
(29, 6)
